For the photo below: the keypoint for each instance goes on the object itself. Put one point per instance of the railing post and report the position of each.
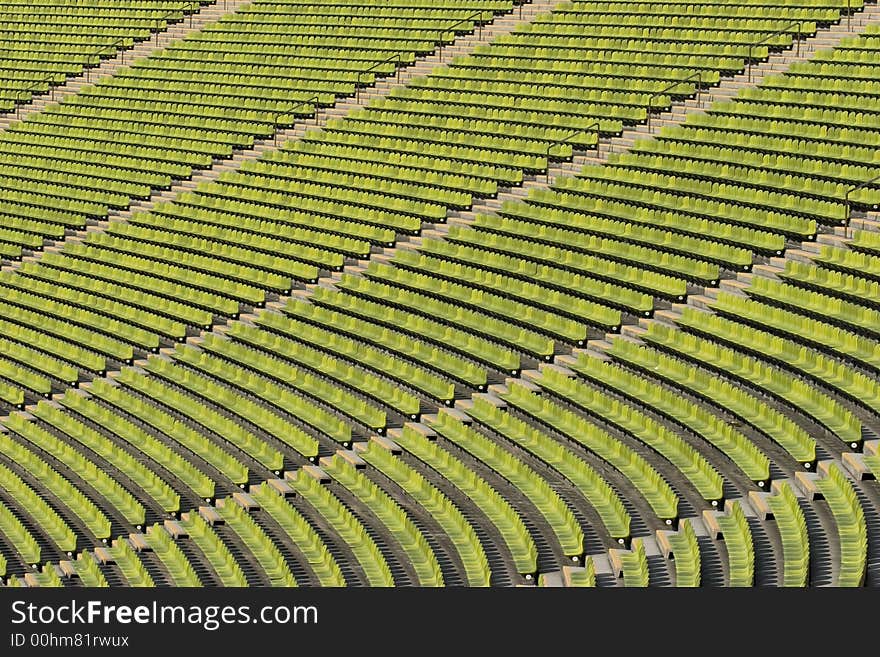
(292, 107)
(651, 98)
(597, 128)
(749, 63)
(699, 88)
(478, 24)
(565, 139)
(798, 24)
(20, 94)
(357, 87)
(848, 205)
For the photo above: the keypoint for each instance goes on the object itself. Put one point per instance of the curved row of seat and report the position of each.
(201, 549)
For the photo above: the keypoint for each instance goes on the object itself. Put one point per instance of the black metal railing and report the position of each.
(21, 94)
(477, 23)
(698, 75)
(101, 52)
(848, 204)
(309, 101)
(394, 58)
(594, 127)
(763, 40)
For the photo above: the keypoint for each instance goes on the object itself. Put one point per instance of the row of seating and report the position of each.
(125, 433)
(805, 167)
(686, 552)
(678, 408)
(828, 10)
(549, 504)
(189, 407)
(48, 520)
(821, 335)
(562, 458)
(447, 515)
(851, 529)
(80, 506)
(221, 560)
(207, 387)
(606, 408)
(644, 477)
(179, 568)
(74, 461)
(392, 516)
(21, 540)
(347, 525)
(719, 392)
(793, 533)
(739, 544)
(248, 371)
(609, 261)
(755, 370)
(258, 542)
(634, 565)
(304, 536)
(375, 359)
(500, 512)
(253, 344)
(195, 101)
(230, 361)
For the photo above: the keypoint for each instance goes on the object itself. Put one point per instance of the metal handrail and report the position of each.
(277, 115)
(101, 51)
(569, 138)
(397, 57)
(48, 80)
(19, 95)
(451, 28)
(799, 24)
(597, 127)
(193, 6)
(848, 205)
(164, 19)
(698, 75)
